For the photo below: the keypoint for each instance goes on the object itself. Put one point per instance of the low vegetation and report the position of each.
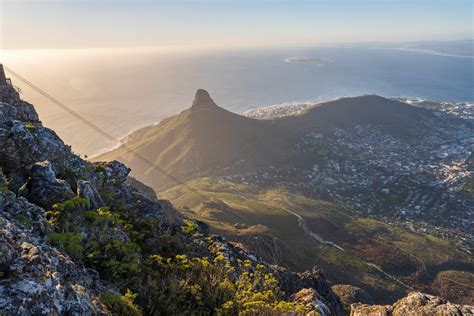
(156, 268)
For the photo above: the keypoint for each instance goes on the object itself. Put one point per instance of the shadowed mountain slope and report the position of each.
(201, 138)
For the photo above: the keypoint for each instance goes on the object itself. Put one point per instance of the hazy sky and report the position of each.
(110, 23)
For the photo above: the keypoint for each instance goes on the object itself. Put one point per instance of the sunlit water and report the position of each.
(124, 90)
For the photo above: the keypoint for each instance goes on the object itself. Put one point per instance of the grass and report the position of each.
(456, 286)
(24, 220)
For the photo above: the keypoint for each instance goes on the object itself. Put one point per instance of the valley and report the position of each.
(348, 248)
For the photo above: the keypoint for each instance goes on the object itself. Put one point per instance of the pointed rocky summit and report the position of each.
(202, 99)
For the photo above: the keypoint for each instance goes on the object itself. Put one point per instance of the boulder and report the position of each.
(43, 188)
(371, 310)
(87, 190)
(311, 299)
(425, 304)
(349, 295)
(415, 303)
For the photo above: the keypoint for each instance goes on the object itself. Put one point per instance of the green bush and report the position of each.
(115, 260)
(70, 242)
(98, 168)
(189, 227)
(121, 305)
(203, 286)
(24, 220)
(61, 215)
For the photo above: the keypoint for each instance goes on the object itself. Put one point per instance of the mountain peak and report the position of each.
(202, 99)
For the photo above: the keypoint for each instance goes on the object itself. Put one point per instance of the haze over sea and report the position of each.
(124, 89)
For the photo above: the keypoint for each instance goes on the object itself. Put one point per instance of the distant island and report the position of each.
(313, 60)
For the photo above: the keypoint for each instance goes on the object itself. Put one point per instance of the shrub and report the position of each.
(60, 215)
(202, 286)
(104, 216)
(98, 168)
(185, 284)
(70, 242)
(121, 305)
(115, 260)
(189, 227)
(24, 220)
(258, 293)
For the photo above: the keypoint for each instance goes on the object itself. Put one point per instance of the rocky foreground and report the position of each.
(79, 239)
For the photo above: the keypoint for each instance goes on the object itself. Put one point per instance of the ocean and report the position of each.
(122, 90)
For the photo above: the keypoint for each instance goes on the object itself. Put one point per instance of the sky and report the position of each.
(71, 24)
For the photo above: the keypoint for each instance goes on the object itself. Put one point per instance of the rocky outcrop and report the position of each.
(312, 300)
(202, 100)
(170, 214)
(43, 188)
(310, 279)
(415, 303)
(19, 110)
(142, 188)
(349, 295)
(86, 190)
(36, 278)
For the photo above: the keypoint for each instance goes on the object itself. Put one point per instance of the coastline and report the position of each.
(121, 139)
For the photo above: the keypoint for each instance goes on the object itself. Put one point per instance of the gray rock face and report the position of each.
(23, 145)
(142, 188)
(114, 172)
(43, 188)
(37, 279)
(87, 190)
(349, 295)
(23, 111)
